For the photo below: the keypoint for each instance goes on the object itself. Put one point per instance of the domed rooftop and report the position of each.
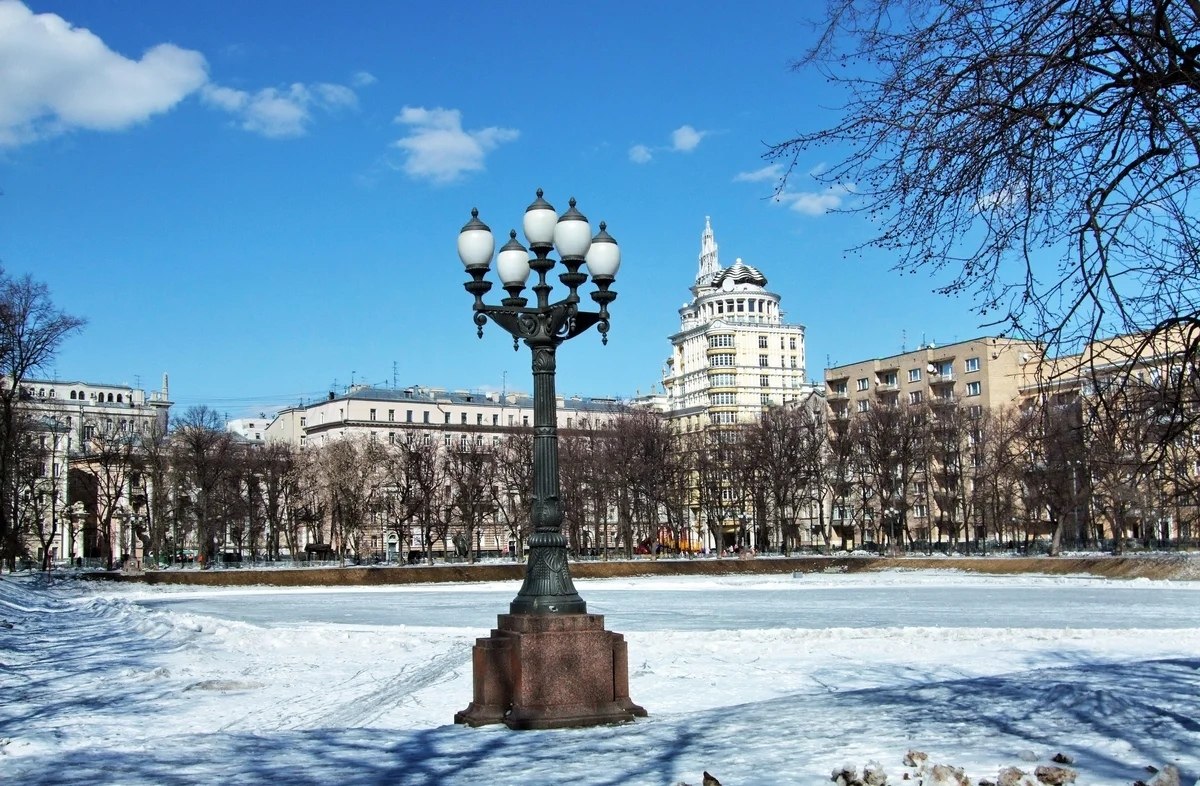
(741, 273)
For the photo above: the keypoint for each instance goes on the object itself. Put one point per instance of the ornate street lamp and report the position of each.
(543, 326)
(547, 663)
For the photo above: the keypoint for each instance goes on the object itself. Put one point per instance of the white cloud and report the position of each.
(640, 154)
(57, 77)
(769, 172)
(362, 79)
(437, 147)
(816, 203)
(685, 139)
(277, 113)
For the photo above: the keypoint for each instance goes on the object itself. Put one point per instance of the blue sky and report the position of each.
(262, 199)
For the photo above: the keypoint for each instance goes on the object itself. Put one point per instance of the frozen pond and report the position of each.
(763, 681)
(745, 603)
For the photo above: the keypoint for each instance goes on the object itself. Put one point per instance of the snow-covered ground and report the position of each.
(759, 680)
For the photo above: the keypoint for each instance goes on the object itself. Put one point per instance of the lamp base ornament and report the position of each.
(550, 671)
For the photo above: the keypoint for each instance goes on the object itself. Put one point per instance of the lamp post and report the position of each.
(543, 327)
(548, 663)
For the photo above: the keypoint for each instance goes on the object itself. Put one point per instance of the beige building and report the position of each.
(734, 354)
(384, 413)
(982, 373)
(67, 415)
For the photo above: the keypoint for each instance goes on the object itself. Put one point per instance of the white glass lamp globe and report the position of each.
(512, 263)
(572, 235)
(475, 243)
(539, 222)
(604, 255)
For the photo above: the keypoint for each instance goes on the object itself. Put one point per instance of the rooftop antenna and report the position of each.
(904, 340)
(393, 375)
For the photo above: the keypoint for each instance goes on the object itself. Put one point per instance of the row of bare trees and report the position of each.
(894, 477)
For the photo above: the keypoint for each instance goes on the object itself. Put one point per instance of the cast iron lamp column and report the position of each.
(547, 588)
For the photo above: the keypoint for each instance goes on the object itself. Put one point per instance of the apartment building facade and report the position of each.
(385, 414)
(981, 373)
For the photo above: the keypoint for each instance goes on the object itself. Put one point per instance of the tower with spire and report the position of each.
(710, 265)
(734, 354)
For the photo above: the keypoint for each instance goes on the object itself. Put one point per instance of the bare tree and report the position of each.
(998, 464)
(513, 489)
(31, 330)
(417, 483)
(470, 471)
(108, 456)
(1042, 157)
(203, 457)
(894, 453)
(780, 446)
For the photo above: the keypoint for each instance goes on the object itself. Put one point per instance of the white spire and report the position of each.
(709, 266)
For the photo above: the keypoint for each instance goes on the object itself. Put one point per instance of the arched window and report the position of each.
(110, 398)
(118, 398)
(41, 392)
(72, 395)
(51, 392)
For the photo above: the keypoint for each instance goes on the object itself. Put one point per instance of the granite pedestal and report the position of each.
(547, 671)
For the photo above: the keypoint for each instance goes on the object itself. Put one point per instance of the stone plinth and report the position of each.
(547, 671)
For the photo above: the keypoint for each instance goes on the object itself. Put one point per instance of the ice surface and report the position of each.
(759, 680)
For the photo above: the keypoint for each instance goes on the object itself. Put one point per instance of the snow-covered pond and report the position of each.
(760, 680)
(747, 603)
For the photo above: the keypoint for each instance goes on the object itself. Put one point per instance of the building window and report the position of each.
(762, 342)
(914, 397)
(864, 383)
(765, 399)
(720, 341)
(914, 375)
(863, 405)
(722, 360)
(447, 418)
(495, 420)
(479, 419)
(392, 415)
(795, 364)
(303, 422)
(972, 364)
(372, 414)
(920, 511)
(887, 378)
(426, 420)
(792, 343)
(525, 421)
(464, 418)
(762, 361)
(972, 388)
